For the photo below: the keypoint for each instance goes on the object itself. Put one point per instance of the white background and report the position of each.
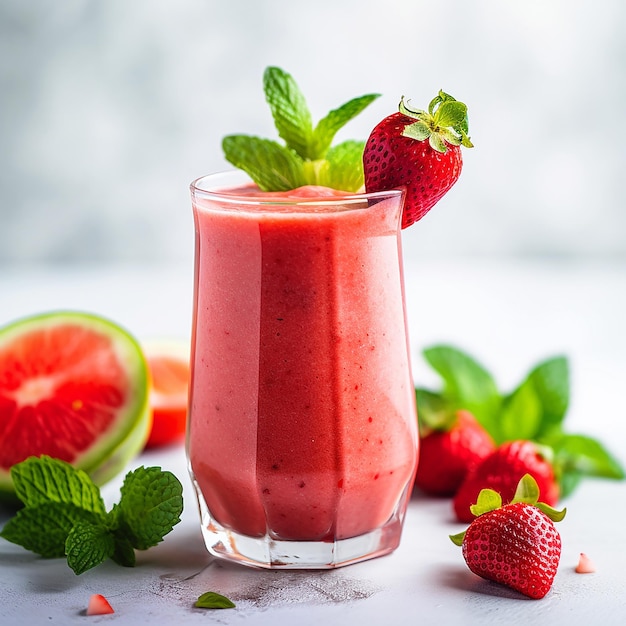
(109, 109)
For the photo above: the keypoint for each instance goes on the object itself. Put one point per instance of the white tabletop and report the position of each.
(509, 315)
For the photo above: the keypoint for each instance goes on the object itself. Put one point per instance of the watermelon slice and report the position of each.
(168, 364)
(73, 386)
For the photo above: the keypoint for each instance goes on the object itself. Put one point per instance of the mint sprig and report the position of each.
(307, 156)
(535, 409)
(64, 514)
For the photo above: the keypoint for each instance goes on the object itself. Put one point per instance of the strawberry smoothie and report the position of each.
(302, 422)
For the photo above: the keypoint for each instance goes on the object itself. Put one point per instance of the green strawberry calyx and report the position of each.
(527, 492)
(307, 156)
(445, 122)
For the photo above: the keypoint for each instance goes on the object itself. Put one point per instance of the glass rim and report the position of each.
(240, 178)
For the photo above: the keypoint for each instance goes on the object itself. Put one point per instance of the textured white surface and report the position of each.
(508, 316)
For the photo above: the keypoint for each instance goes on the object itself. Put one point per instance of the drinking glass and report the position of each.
(302, 434)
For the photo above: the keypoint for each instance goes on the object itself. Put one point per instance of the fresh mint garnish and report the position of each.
(150, 500)
(87, 545)
(534, 410)
(44, 528)
(214, 600)
(64, 514)
(45, 480)
(307, 156)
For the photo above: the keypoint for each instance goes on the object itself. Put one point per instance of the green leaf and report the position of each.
(467, 385)
(521, 414)
(213, 600)
(418, 131)
(39, 480)
(584, 456)
(124, 553)
(44, 528)
(328, 126)
(488, 500)
(553, 514)
(568, 482)
(433, 411)
(551, 382)
(271, 166)
(150, 506)
(457, 539)
(527, 490)
(345, 166)
(307, 158)
(88, 545)
(290, 111)
(437, 143)
(451, 114)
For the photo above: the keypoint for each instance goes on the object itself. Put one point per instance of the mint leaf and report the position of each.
(271, 166)
(345, 166)
(88, 545)
(150, 506)
(64, 514)
(213, 600)
(124, 553)
(551, 382)
(44, 528)
(585, 456)
(307, 157)
(539, 404)
(522, 413)
(291, 114)
(467, 385)
(328, 126)
(434, 412)
(39, 480)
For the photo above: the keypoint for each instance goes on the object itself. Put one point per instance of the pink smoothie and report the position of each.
(302, 416)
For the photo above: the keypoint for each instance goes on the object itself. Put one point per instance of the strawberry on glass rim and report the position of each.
(420, 151)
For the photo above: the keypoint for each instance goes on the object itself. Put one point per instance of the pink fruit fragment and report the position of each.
(99, 605)
(585, 565)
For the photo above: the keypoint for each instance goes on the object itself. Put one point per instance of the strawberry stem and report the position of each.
(444, 123)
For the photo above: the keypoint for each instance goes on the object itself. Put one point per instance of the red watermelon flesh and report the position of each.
(72, 386)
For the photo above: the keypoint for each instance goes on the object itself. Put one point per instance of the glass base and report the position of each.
(269, 553)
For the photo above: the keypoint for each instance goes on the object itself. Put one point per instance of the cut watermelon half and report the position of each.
(73, 386)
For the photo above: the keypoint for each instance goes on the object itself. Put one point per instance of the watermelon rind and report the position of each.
(111, 450)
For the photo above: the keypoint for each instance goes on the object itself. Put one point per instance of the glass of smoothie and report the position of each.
(302, 433)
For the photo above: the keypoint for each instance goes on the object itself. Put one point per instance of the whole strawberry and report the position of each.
(449, 450)
(502, 470)
(418, 150)
(517, 544)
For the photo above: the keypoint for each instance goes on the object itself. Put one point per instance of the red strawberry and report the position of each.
(502, 470)
(98, 605)
(418, 150)
(449, 452)
(516, 545)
